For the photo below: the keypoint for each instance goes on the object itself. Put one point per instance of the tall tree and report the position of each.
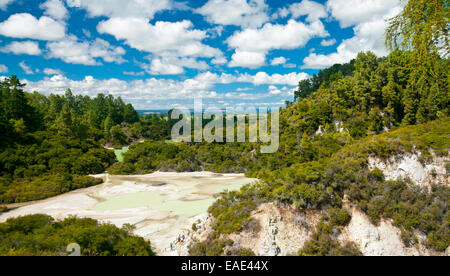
(422, 28)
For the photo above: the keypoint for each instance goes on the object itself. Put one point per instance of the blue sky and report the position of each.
(157, 54)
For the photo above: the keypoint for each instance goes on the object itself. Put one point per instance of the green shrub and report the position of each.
(40, 235)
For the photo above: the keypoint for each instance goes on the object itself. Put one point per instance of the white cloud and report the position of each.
(118, 8)
(220, 60)
(369, 36)
(5, 3)
(51, 72)
(263, 78)
(290, 65)
(313, 10)
(270, 37)
(173, 65)
(25, 25)
(278, 61)
(329, 42)
(247, 59)
(273, 90)
(245, 13)
(354, 12)
(22, 47)
(140, 92)
(3, 69)
(73, 51)
(27, 69)
(158, 38)
(173, 44)
(135, 74)
(256, 43)
(55, 9)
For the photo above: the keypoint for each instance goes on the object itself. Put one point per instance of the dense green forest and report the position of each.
(50, 144)
(43, 236)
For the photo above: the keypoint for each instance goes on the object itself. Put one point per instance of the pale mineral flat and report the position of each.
(160, 205)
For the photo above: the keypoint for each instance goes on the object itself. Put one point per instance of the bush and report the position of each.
(40, 235)
(210, 247)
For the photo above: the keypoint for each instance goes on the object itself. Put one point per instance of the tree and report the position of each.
(130, 114)
(422, 28)
(304, 89)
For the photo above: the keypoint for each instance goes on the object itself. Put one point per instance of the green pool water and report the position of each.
(119, 153)
(161, 202)
(130, 201)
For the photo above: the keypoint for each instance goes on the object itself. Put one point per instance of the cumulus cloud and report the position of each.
(354, 12)
(5, 3)
(22, 47)
(245, 13)
(369, 36)
(73, 51)
(160, 37)
(312, 10)
(25, 25)
(173, 44)
(55, 9)
(278, 61)
(329, 42)
(247, 59)
(256, 43)
(117, 8)
(51, 71)
(173, 65)
(3, 69)
(273, 90)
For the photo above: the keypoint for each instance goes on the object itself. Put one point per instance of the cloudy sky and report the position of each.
(159, 53)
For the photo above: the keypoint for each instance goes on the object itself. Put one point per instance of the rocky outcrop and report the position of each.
(278, 231)
(409, 166)
(382, 240)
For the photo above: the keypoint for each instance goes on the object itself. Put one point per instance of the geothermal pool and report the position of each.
(160, 205)
(120, 152)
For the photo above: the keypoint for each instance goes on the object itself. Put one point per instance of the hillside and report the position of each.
(341, 140)
(347, 196)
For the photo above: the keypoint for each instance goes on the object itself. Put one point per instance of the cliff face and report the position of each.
(379, 240)
(430, 172)
(279, 231)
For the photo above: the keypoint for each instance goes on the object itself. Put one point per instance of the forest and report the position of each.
(50, 144)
